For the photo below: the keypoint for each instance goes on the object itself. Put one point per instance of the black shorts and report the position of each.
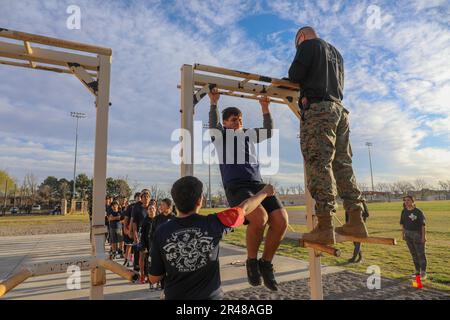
(238, 192)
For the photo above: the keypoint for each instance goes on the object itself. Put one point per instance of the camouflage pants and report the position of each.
(327, 154)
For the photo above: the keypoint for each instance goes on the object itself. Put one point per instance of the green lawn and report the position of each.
(10, 220)
(394, 261)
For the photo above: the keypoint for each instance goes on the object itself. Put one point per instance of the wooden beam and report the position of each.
(320, 247)
(249, 88)
(246, 75)
(40, 67)
(187, 120)
(375, 240)
(11, 34)
(118, 269)
(60, 58)
(14, 281)
(85, 78)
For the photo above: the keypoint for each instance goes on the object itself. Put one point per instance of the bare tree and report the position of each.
(404, 187)
(363, 186)
(157, 193)
(420, 185)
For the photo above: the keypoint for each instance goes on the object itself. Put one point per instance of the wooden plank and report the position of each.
(375, 240)
(187, 120)
(246, 75)
(98, 277)
(14, 281)
(249, 88)
(82, 75)
(17, 35)
(40, 67)
(118, 269)
(60, 58)
(320, 247)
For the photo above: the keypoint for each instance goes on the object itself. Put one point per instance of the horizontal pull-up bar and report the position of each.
(39, 67)
(16, 35)
(247, 75)
(238, 95)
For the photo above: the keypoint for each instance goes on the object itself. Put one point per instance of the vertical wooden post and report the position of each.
(99, 183)
(187, 118)
(315, 272)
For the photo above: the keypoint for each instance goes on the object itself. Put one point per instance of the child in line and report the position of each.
(185, 250)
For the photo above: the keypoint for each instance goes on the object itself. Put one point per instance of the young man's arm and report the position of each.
(214, 122)
(234, 217)
(267, 121)
(424, 234)
(157, 269)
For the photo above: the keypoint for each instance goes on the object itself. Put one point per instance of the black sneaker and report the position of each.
(266, 269)
(253, 275)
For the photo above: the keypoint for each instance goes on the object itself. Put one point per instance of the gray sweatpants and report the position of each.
(417, 249)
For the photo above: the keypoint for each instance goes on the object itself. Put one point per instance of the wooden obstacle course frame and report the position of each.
(92, 66)
(197, 80)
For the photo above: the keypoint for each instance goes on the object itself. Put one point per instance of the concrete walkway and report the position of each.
(17, 251)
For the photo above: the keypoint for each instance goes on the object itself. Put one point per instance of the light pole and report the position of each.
(369, 144)
(78, 116)
(206, 126)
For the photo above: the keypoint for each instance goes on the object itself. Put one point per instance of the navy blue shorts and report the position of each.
(238, 192)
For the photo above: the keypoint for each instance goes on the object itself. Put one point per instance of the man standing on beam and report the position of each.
(319, 69)
(241, 179)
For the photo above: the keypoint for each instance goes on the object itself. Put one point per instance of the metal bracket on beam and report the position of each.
(90, 83)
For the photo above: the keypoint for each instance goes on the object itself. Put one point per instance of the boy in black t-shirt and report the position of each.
(185, 249)
(144, 239)
(165, 215)
(115, 228)
(414, 233)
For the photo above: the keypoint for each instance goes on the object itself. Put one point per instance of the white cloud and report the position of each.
(395, 78)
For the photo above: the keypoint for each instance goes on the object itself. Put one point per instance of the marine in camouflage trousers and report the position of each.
(327, 154)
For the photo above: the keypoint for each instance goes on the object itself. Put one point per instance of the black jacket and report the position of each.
(319, 69)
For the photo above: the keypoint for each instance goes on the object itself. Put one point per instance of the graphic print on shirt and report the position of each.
(189, 249)
(412, 217)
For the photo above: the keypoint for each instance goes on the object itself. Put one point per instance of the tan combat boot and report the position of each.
(323, 232)
(355, 225)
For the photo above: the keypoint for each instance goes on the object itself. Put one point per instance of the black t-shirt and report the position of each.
(108, 210)
(145, 230)
(412, 220)
(139, 213)
(115, 224)
(186, 251)
(128, 211)
(319, 69)
(159, 220)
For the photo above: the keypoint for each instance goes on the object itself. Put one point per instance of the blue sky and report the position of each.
(397, 82)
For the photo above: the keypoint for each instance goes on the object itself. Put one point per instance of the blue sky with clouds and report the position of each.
(397, 82)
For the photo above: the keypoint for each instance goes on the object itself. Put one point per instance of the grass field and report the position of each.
(394, 261)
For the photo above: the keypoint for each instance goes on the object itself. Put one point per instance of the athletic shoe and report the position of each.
(253, 274)
(266, 269)
(423, 276)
